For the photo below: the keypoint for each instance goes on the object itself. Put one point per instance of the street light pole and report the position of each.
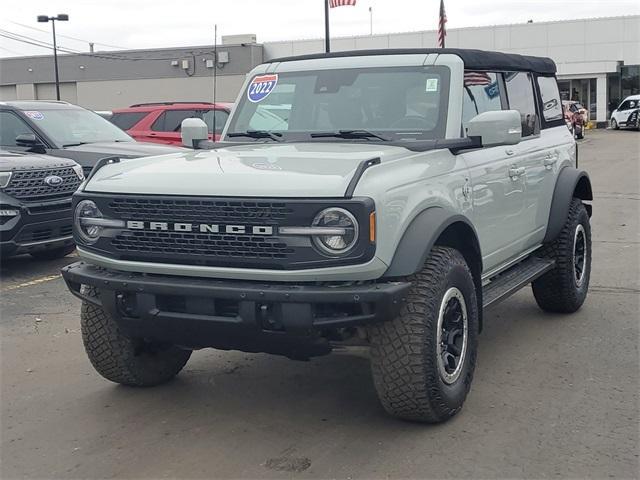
(63, 17)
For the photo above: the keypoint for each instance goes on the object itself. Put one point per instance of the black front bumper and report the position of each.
(296, 320)
(39, 226)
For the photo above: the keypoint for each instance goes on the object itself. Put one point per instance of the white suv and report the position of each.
(383, 198)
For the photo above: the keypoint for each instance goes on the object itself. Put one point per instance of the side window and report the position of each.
(221, 117)
(481, 94)
(126, 120)
(521, 98)
(171, 120)
(10, 127)
(551, 104)
(632, 103)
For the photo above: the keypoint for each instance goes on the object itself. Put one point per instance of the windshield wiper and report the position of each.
(359, 133)
(74, 144)
(275, 136)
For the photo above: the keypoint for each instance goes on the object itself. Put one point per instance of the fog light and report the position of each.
(9, 213)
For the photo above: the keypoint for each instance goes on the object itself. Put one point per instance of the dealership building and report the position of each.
(598, 63)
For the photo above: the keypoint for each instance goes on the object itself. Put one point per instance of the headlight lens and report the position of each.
(86, 209)
(79, 172)
(336, 218)
(5, 178)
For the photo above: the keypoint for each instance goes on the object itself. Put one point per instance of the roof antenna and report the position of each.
(215, 76)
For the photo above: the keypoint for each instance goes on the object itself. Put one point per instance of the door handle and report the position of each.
(550, 161)
(516, 172)
(509, 152)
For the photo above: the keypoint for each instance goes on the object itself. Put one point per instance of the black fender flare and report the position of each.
(571, 183)
(420, 237)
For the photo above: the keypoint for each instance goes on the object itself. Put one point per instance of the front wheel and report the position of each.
(121, 358)
(614, 124)
(564, 288)
(423, 360)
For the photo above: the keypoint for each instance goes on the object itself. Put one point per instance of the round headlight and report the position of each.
(86, 209)
(340, 219)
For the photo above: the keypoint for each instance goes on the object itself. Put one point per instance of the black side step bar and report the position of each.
(510, 281)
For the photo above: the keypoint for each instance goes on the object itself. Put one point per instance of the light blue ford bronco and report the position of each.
(379, 198)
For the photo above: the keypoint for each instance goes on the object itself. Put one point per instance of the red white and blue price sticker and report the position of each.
(34, 115)
(261, 86)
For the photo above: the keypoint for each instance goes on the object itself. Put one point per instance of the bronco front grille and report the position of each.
(31, 186)
(221, 231)
(209, 245)
(196, 210)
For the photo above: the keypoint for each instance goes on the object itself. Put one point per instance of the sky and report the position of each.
(130, 24)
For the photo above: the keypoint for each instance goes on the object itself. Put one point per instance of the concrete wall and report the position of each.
(106, 95)
(577, 46)
(117, 79)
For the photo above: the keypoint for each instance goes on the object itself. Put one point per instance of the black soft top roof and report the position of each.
(473, 59)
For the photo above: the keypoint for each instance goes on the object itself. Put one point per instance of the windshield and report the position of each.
(67, 127)
(396, 103)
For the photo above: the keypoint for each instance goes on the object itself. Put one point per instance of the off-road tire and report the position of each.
(558, 290)
(53, 253)
(404, 351)
(122, 359)
(614, 124)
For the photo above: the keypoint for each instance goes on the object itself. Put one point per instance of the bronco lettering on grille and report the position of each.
(200, 227)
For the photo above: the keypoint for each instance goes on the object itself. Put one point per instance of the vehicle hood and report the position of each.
(264, 170)
(90, 153)
(11, 161)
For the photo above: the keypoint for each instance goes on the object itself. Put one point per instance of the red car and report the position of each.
(160, 122)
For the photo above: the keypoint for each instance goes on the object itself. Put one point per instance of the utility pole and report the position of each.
(215, 75)
(62, 17)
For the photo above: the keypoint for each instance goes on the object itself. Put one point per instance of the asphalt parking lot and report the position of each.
(553, 396)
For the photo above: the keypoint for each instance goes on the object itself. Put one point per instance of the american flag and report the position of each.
(476, 78)
(341, 3)
(442, 30)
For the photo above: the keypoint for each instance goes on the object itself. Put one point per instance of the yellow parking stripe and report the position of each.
(30, 283)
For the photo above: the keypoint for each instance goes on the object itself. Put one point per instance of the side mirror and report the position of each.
(192, 131)
(501, 127)
(29, 140)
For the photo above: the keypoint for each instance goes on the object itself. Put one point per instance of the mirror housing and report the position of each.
(500, 127)
(192, 131)
(29, 140)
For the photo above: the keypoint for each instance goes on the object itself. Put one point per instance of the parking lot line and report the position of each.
(30, 283)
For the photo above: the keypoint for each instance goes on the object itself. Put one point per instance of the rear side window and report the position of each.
(126, 120)
(551, 104)
(521, 98)
(171, 120)
(481, 94)
(10, 127)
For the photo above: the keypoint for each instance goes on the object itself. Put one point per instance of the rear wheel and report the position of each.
(423, 360)
(53, 253)
(579, 131)
(122, 359)
(564, 288)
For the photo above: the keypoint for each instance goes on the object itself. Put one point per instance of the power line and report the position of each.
(67, 36)
(103, 55)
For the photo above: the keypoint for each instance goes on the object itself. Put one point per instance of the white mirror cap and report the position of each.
(193, 130)
(500, 127)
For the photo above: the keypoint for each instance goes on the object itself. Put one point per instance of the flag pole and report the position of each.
(327, 43)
